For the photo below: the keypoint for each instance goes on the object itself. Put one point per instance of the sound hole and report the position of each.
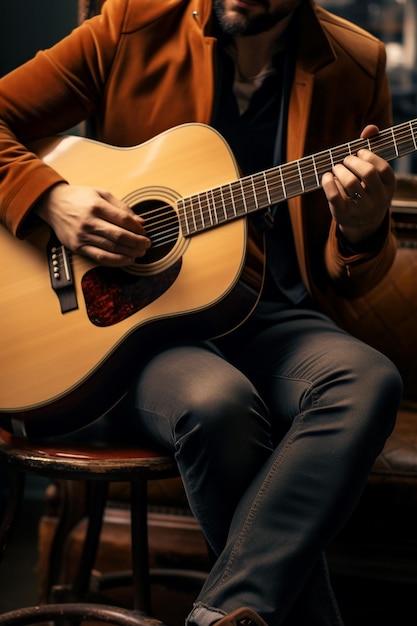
(162, 227)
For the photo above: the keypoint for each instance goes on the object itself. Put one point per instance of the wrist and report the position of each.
(368, 243)
(43, 204)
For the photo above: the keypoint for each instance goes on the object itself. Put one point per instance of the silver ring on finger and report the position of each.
(355, 198)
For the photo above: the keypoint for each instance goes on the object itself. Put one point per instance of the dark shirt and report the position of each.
(258, 143)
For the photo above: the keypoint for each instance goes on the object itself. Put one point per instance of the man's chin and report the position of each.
(239, 21)
(233, 22)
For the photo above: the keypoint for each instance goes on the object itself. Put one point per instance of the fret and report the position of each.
(270, 186)
(336, 156)
(284, 189)
(242, 189)
(196, 222)
(413, 138)
(309, 174)
(316, 173)
(200, 221)
(218, 204)
(193, 220)
(406, 139)
(301, 177)
(384, 147)
(323, 163)
(252, 179)
(245, 200)
(262, 190)
(348, 149)
(215, 210)
(232, 207)
(249, 196)
(395, 143)
(232, 199)
(209, 209)
(183, 204)
(238, 199)
(205, 209)
(182, 213)
(292, 180)
(220, 200)
(268, 195)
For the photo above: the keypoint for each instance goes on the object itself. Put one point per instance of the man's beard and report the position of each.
(242, 24)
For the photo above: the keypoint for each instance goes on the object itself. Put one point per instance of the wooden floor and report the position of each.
(362, 603)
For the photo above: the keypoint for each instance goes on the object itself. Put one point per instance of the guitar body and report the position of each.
(68, 353)
(74, 333)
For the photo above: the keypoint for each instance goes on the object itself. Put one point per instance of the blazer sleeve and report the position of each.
(50, 94)
(355, 274)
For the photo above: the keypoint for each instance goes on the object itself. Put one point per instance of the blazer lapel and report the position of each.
(314, 53)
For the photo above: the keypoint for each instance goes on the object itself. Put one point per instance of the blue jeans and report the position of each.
(275, 431)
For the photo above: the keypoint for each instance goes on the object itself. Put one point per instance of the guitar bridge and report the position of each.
(60, 271)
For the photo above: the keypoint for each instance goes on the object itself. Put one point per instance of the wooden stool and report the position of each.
(98, 465)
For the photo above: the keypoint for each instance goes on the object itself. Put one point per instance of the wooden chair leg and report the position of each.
(79, 589)
(72, 508)
(97, 504)
(14, 502)
(140, 547)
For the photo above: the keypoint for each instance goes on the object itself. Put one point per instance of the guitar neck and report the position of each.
(256, 192)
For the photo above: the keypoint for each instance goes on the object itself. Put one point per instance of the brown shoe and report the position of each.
(241, 617)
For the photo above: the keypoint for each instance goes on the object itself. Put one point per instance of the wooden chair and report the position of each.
(97, 466)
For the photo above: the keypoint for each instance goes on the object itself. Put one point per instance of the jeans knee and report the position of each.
(376, 396)
(389, 387)
(222, 439)
(227, 415)
(383, 381)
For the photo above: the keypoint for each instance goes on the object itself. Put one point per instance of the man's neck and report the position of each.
(255, 52)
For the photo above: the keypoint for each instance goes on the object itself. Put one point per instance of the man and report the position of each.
(275, 426)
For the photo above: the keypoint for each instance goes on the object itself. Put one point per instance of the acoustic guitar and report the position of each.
(72, 332)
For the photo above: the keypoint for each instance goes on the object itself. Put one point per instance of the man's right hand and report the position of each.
(94, 223)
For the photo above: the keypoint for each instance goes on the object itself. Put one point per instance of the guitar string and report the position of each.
(321, 161)
(273, 183)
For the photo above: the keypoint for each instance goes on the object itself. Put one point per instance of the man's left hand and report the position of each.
(359, 192)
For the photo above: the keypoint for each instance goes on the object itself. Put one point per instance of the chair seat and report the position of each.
(84, 461)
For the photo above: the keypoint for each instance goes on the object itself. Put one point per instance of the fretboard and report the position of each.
(246, 195)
